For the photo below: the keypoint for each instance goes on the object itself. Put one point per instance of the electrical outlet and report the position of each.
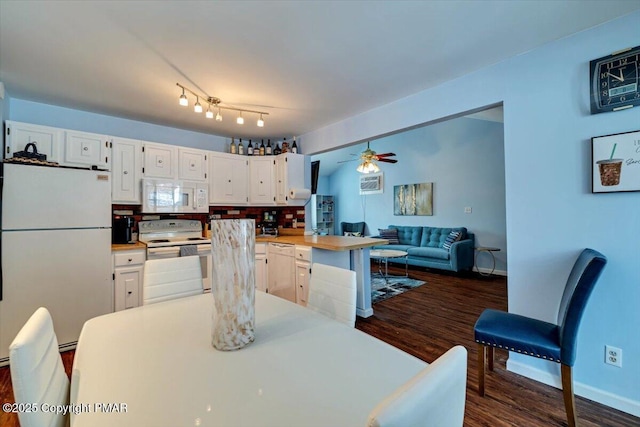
(613, 356)
(467, 209)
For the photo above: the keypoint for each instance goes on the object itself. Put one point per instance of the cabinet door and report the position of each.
(282, 280)
(192, 164)
(160, 160)
(86, 149)
(126, 167)
(290, 173)
(228, 178)
(128, 284)
(261, 272)
(261, 181)
(48, 140)
(302, 282)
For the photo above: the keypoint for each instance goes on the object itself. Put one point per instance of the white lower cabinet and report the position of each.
(281, 273)
(262, 268)
(303, 273)
(128, 269)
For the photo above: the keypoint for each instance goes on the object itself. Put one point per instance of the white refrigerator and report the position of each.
(55, 249)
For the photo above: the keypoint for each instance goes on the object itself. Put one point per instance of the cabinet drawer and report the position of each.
(261, 248)
(303, 253)
(129, 258)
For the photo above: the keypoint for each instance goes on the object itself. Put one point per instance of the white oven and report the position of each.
(174, 196)
(203, 251)
(170, 238)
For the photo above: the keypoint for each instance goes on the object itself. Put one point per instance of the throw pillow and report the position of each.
(352, 233)
(391, 234)
(454, 236)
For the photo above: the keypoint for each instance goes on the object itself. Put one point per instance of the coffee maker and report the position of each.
(270, 223)
(121, 232)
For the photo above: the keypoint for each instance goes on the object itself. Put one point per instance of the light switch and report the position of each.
(467, 210)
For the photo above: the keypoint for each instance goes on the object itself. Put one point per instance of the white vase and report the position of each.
(233, 283)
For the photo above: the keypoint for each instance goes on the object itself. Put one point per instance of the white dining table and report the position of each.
(155, 366)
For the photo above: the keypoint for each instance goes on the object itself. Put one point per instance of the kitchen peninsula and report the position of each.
(345, 252)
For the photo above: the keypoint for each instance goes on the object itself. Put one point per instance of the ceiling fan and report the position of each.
(368, 159)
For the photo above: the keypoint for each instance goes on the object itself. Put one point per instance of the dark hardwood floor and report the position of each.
(429, 320)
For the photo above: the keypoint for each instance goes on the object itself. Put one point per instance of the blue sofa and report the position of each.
(424, 247)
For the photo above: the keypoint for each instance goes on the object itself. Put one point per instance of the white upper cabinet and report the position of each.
(48, 140)
(160, 160)
(86, 149)
(261, 180)
(289, 174)
(126, 170)
(193, 164)
(228, 179)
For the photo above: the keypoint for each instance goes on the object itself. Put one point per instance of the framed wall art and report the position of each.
(615, 162)
(413, 199)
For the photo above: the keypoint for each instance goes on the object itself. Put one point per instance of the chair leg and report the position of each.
(490, 355)
(482, 353)
(567, 391)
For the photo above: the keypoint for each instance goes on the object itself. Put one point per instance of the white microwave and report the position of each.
(174, 196)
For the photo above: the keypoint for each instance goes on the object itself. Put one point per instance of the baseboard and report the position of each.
(495, 272)
(604, 397)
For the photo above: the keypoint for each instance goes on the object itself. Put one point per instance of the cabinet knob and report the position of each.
(260, 182)
(229, 180)
(130, 259)
(160, 161)
(85, 148)
(130, 292)
(125, 173)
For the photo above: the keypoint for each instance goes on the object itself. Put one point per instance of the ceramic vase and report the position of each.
(233, 283)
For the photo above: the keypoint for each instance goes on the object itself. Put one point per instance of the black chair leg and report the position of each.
(567, 391)
(482, 354)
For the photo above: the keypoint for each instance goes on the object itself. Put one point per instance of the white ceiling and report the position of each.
(308, 64)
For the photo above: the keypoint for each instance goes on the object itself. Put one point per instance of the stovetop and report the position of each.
(171, 232)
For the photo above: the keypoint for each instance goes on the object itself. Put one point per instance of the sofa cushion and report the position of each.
(391, 234)
(434, 237)
(453, 236)
(408, 235)
(394, 247)
(437, 253)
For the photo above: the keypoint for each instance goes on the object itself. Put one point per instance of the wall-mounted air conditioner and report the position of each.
(371, 183)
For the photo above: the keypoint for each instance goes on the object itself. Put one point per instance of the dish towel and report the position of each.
(188, 250)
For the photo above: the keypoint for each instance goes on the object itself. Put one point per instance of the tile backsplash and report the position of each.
(285, 214)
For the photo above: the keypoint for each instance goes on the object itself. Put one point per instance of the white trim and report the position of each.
(604, 397)
(488, 270)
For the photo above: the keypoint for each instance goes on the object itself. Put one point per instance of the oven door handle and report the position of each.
(163, 250)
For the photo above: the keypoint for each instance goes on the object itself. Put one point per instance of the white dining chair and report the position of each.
(434, 397)
(171, 278)
(37, 373)
(332, 292)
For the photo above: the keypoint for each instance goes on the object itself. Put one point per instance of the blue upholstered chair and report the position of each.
(542, 339)
(352, 227)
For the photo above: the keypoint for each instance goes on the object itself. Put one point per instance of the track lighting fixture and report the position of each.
(183, 99)
(214, 103)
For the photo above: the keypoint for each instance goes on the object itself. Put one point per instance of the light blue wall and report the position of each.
(464, 158)
(50, 115)
(551, 213)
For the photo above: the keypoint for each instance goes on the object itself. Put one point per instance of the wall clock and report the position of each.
(615, 81)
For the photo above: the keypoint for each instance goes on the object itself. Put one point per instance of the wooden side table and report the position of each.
(490, 251)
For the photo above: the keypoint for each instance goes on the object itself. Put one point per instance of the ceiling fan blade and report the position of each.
(388, 160)
(345, 161)
(386, 154)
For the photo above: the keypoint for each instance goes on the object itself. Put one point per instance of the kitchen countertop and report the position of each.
(332, 243)
(128, 246)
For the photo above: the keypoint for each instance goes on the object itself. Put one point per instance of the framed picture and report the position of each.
(413, 199)
(615, 162)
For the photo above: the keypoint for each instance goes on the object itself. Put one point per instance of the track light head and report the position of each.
(240, 119)
(260, 121)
